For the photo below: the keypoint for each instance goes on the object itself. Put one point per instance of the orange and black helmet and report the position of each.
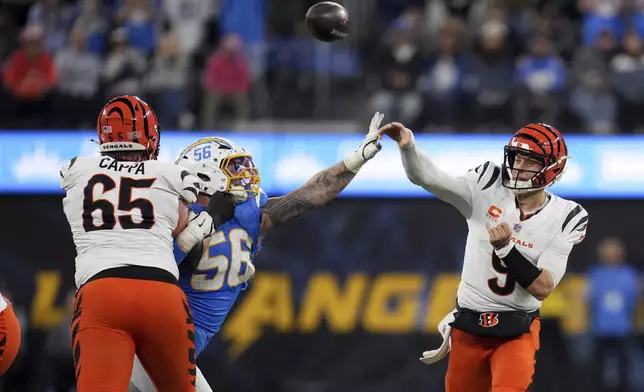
(542, 143)
(127, 123)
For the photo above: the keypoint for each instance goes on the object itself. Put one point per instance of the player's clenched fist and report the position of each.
(199, 226)
(499, 234)
(397, 132)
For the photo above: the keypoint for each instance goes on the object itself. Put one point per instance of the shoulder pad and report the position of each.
(485, 175)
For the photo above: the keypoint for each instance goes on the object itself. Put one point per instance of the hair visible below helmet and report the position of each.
(539, 142)
(127, 128)
(222, 166)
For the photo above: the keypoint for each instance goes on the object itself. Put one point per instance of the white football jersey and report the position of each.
(545, 238)
(121, 213)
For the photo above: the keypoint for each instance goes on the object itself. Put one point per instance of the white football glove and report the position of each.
(191, 188)
(199, 227)
(368, 148)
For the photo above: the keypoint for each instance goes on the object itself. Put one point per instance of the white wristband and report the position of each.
(354, 162)
(503, 252)
(187, 239)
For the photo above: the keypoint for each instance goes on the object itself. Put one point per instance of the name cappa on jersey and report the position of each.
(130, 167)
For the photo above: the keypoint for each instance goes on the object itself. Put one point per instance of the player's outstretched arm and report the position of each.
(323, 186)
(423, 172)
(316, 192)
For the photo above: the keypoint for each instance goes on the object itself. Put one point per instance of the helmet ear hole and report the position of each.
(203, 177)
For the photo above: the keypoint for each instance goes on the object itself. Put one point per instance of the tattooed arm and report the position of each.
(316, 192)
(322, 187)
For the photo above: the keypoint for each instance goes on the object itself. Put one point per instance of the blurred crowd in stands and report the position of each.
(437, 65)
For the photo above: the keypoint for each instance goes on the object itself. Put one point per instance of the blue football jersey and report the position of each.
(224, 269)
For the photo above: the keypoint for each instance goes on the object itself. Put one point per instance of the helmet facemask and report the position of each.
(243, 176)
(540, 167)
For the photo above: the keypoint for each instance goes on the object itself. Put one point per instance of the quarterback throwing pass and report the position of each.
(519, 240)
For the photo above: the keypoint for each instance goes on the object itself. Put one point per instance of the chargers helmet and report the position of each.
(223, 166)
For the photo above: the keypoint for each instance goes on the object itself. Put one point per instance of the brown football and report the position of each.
(328, 21)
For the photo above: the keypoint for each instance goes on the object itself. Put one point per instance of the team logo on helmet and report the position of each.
(127, 123)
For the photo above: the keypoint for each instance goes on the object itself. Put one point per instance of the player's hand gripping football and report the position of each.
(199, 227)
(397, 132)
(368, 148)
(499, 234)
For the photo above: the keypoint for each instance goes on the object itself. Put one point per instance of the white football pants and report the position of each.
(140, 381)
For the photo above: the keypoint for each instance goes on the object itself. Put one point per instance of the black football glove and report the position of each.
(221, 208)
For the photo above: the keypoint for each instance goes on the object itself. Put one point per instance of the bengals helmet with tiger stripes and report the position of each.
(128, 124)
(541, 143)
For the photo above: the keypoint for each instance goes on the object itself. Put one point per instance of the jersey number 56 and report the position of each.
(226, 268)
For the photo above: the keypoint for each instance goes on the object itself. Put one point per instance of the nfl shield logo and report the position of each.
(517, 227)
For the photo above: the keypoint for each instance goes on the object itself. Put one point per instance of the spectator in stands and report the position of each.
(497, 16)
(138, 17)
(637, 22)
(30, 76)
(79, 76)
(92, 22)
(412, 20)
(189, 21)
(167, 80)
(488, 80)
(592, 97)
(441, 82)
(628, 78)
(55, 17)
(599, 16)
(226, 80)
(399, 66)
(124, 67)
(612, 297)
(540, 81)
(553, 23)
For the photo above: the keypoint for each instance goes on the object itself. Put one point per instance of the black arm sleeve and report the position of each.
(521, 268)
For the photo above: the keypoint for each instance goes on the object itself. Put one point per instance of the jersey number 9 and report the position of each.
(125, 203)
(228, 269)
(493, 284)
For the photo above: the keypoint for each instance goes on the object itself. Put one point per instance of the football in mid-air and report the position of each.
(328, 21)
